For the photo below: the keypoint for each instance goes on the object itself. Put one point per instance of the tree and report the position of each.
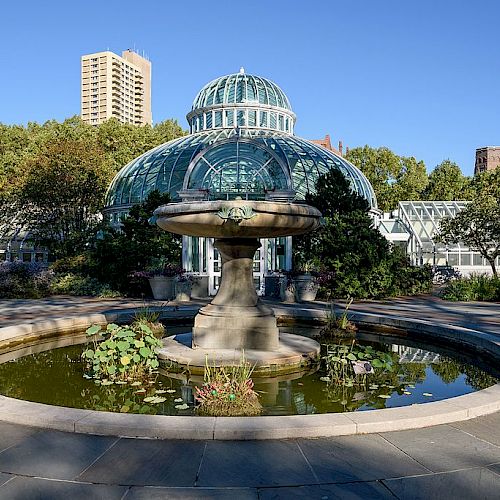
(134, 247)
(394, 178)
(477, 226)
(447, 183)
(61, 193)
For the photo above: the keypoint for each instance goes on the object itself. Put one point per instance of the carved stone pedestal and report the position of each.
(236, 319)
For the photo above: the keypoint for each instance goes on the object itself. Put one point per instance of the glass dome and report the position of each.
(241, 100)
(223, 164)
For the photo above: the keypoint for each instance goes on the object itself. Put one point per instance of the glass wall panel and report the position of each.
(229, 118)
(281, 122)
(218, 118)
(208, 120)
(477, 259)
(465, 259)
(272, 123)
(252, 118)
(241, 119)
(263, 119)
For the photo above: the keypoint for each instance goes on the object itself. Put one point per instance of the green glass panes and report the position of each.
(240, 88)
(238, 168)
(263, 160)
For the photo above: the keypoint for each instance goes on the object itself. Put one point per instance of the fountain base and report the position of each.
(236, 327)
(293, 354)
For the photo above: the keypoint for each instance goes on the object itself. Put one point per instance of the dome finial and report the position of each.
(242, 70)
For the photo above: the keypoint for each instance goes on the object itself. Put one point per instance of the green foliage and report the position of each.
(476, 287)
(134, 248)
(355, 258)
(446, 182)
(394, 178)
(75, 284)
(55, 175)
(338, 326)
(19, 280)
(338, 363)
(124, 353)
(227, 391)
(60, 193)
(476, 226)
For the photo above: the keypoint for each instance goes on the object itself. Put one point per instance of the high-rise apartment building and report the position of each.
(487, 158)
(114, 86)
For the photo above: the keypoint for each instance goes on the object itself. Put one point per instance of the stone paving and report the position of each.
(459, 461)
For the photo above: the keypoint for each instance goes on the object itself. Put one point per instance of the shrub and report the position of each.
(20, 280)
(228, 391)
(125, 352)
(479, 287)
(74, 284)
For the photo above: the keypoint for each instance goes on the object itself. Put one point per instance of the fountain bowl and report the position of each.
(237, 218)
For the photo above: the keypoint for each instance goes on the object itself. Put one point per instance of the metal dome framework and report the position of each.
(241, 100)
(285, 161)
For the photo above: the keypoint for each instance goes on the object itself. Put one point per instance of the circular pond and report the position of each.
(398, 375)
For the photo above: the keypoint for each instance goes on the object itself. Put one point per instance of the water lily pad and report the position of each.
(154, 400)
(120, 382)
(182, 407)
(178, 400)
(171, 391)
(135, 383)
(384, 396)
(140, 391)
(325, 379)
(107, 382)
(373, 387)
(160, 391)
(407, 393)
(411, 386)
(428, 394)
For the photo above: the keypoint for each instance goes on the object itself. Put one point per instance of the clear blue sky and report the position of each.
(421, 77)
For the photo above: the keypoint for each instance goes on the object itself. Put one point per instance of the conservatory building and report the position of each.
(241, 144)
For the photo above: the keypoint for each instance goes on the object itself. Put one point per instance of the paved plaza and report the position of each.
(456, 461)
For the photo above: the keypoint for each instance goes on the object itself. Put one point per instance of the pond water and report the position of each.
(417, 375)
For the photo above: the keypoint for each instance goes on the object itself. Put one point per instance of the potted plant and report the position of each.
(161, 279)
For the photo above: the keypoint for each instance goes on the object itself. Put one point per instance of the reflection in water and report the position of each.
(417, 376)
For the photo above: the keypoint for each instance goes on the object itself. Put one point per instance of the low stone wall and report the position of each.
(23, 338)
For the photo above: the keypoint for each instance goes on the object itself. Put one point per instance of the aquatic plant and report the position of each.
(338, 326)
(349, 365)
(121, 352)
(150, 317)
(228, 391)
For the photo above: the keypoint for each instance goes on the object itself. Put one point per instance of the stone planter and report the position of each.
(199, 288)
(163, 287)
(183, 290)
(306, 288)
(286, 291)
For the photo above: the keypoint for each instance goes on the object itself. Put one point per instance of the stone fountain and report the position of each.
(236, 320)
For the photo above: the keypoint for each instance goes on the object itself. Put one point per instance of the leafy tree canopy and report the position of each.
(477, 226)
(394, 178)
(447, 183)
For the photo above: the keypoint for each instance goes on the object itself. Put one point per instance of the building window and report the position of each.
(263, 119)
(241, 119)
(272, 123)
(252, 118)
